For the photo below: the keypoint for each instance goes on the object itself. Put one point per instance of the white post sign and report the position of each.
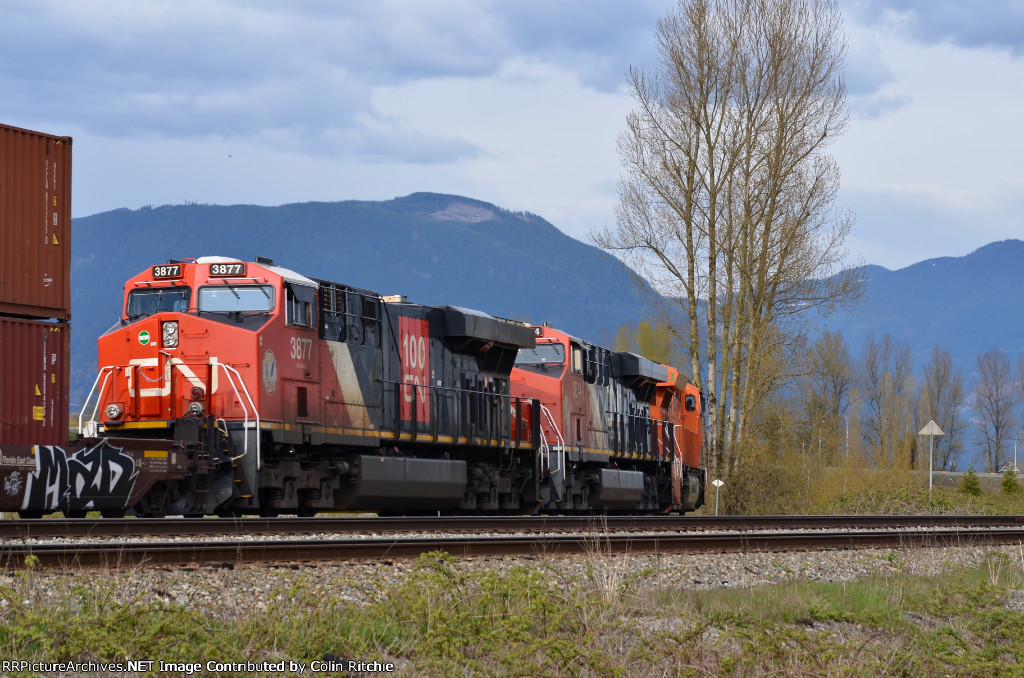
(717, 483)
(931, 429)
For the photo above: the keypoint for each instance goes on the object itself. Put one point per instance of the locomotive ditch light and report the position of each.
(170, 334)
(113, 411)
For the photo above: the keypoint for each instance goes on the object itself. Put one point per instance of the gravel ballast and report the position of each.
(234, 592)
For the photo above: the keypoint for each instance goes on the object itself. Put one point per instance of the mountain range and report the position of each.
(445, 249)
(965, 304)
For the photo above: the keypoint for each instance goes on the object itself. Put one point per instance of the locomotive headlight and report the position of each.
(113, 411)
(195, 409)
(170, 332)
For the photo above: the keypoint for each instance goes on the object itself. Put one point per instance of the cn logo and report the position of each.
(415, 357)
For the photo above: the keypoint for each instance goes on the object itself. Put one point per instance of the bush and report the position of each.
(970, 483)
(1010, 485)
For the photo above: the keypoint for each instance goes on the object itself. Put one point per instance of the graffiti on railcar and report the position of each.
(73, 482)
(13, 483)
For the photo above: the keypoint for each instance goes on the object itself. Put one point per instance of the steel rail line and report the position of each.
(153, 527)
(130, 554)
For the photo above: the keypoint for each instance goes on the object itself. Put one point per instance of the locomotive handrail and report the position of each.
(229, 370)
(446, 391)
(558, 435)
(109, 369)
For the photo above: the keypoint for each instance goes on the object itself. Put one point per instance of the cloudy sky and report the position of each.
(516, 102)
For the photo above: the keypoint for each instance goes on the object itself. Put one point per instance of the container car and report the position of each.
(34, 360)
(35, 224)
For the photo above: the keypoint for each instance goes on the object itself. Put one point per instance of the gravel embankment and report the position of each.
(241, 591)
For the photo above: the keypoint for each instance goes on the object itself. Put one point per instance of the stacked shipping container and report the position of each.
(35, 286)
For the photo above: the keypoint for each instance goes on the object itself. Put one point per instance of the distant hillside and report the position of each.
(967, 304)
(435, 249)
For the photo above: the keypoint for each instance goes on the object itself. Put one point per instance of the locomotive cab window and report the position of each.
(577, 359)
(542, 359)
(236, 298)
(157, 300)
(300, 302)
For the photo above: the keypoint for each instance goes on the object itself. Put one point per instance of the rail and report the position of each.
(117, 554)
(328, 525)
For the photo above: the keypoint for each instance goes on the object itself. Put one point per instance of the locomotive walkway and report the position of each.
(132, 542)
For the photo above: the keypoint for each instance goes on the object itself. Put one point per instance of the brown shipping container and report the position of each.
(35, 224)
(34, 363)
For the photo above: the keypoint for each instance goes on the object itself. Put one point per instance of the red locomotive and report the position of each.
(233, 387)
(625, 430)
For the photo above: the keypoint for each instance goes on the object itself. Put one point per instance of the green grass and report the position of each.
(441, 619)
(901, 500)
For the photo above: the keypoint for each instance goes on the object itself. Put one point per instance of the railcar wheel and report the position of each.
(113, 513)
(154, 503)
(30, 515)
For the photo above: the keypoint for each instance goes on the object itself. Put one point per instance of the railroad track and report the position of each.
(117, 553)
(191, 527)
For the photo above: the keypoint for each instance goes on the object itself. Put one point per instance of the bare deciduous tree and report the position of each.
(728, 202)
(1018, 375)
(825, 391)
(996, 399)
(887, 390)
(940, 398)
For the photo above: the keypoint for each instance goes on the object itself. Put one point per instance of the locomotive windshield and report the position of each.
(158, 299)
(237, 298)
(544, 358)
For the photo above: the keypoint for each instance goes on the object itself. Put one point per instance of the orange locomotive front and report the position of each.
(219, 340)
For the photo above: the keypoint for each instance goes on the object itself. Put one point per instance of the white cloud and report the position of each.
(993, 24)
(518, 103)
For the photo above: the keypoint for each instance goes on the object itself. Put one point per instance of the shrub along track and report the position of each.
(131, 542)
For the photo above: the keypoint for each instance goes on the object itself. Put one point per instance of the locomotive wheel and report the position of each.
(268, 495)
